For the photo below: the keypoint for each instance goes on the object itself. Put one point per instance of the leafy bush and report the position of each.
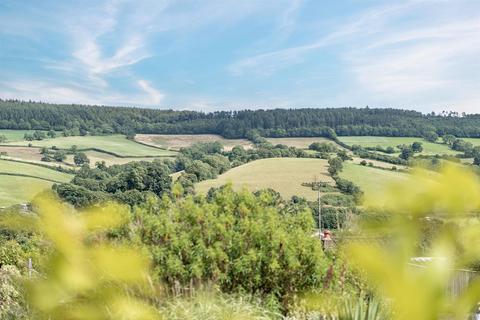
(239, 241)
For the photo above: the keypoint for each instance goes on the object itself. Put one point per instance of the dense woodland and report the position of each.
(82, 119)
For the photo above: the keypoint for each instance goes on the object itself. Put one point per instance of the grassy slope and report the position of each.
(33, 170)
(377, 163)
(301, 143)
(15, 190)
(284, 175)
(117, 144)
(370, 141)
(96, 156)
(372, 181)
(474, 141)
(15, 135)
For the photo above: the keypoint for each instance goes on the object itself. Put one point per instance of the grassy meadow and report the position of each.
(376, 163)
(299, 142)
(15, 135)
(284, 175)
(371, 141)
(117, 144)
(474, 141)
(15, 189)
(178, 141)
(95, 156)
(12, 167)
(372, 181)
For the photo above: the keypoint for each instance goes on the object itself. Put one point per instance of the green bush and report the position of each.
(239, 241)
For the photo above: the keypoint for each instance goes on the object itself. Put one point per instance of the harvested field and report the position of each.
(178, 141)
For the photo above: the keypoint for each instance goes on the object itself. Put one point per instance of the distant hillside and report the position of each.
(96, 120)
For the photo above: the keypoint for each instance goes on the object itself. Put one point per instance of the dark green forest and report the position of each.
(95, 120)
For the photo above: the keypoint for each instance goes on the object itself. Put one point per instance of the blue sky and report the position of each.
(210, 55)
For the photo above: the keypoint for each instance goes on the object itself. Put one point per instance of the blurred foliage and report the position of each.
(85, 277)
(420, 290)
(12, 304)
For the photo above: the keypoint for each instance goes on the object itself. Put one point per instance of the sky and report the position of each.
(236, 54)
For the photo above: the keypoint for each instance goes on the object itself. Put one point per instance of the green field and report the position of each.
(12, 167)
(284, 175)
(371, 141)
(474, 141)
(15, 135)
(380, 164)
(117, 144)
(95, 156)
(372, 181)
(16, 190)
(300, 142)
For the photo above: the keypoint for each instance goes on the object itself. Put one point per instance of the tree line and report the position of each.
(327, 122)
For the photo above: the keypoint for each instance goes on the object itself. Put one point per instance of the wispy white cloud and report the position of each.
(421, 54)
(129, 44)
(434, 66)
(108, 38)
(400, 53)
(51, 91)
(269, 62)
(156, 96)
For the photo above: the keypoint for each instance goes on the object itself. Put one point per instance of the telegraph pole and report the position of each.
(319, 212)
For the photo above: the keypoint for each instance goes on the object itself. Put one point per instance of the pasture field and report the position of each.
(178, 141)
(474, 141)
(95, 156)
(15, 189)
(372, 181)
(117, 144)
(284, 175)
(11, 167)
(300, 142)
(372, 141)
(15, 135)
(377, 163)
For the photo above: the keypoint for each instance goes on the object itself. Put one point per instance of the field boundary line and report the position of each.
(28, 176)
(102, 150)
(46, 166)
(123, 157)
(149, 145)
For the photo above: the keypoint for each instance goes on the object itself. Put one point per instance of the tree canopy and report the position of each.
(81, 120)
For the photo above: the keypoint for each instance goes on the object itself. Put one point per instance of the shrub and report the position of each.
(239, 241)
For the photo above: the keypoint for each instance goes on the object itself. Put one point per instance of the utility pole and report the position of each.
(30, 267)
(319, 212)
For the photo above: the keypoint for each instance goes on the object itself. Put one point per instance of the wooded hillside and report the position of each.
(82, 119)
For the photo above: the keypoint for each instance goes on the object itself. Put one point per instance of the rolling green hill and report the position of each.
(372, 181)
(11, 167)
(284, 175)
(16, 190)
(371, 141)
(20, 182)
(299, 142)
